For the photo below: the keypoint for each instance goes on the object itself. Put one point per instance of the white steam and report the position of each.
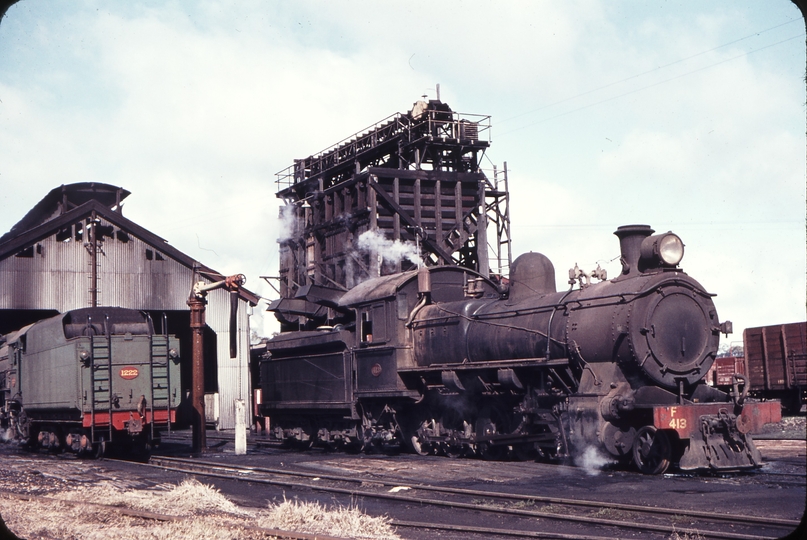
(288, 222)
(391, 251)
(592, 461)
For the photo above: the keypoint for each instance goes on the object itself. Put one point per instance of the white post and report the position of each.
(240, 428)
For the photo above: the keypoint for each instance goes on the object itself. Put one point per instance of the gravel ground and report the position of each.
(63, 477)
(791, 427)
(63, 498)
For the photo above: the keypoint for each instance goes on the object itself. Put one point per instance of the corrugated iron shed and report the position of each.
(46, 265)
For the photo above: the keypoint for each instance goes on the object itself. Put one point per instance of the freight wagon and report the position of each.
(776, 363)
(773, 363)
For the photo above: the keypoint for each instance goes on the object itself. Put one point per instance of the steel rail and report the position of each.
(751, 520)
(667, 529)
(493, 531)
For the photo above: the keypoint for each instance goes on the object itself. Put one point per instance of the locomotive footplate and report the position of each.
(718, 433)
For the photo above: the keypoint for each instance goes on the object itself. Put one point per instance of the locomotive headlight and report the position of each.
(172, 352)
(670, 249)
(666, 249)
(84, 355)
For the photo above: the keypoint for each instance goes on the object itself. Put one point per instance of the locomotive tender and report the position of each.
(87, 378)
(445, 360)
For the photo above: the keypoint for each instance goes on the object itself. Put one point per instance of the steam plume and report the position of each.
(288, 221)
(592, 461)
(392, 251)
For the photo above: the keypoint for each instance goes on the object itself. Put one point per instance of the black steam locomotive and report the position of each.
(88, 378)
(444, 360)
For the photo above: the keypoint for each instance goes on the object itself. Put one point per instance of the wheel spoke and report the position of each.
(652, 451)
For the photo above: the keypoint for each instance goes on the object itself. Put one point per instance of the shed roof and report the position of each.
(66, 197)
(52, 214)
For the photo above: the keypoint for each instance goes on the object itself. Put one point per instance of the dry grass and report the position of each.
(200, 513)
(316, 519)
(611, 513)
(685, 536)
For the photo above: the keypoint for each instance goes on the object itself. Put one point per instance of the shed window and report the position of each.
(27, 253)
(152, 255)
(64, 235)
(104, 230)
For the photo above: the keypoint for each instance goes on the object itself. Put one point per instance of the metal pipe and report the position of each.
(93, 261)
(197, 306)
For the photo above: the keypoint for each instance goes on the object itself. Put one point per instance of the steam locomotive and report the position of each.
(444, 360)
(88, 378)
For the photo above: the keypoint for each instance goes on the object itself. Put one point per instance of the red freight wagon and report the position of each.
(721, 373)
(776, 362)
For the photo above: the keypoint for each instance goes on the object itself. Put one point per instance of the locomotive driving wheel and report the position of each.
(491, 422)
(414, 444)
(413, 439)
(652, 451)
(455, 431)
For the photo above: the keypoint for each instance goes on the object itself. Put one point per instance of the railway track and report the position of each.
(522, 513)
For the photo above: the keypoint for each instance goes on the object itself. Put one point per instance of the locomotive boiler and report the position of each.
(445, 360)
(88, 378)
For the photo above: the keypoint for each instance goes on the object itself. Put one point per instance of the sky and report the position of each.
(687, 116)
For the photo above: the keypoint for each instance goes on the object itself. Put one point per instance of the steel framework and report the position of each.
(405, 191)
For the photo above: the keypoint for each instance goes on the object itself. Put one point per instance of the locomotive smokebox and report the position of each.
(630, 244)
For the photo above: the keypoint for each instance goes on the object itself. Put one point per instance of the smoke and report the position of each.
(353, 274)
(6, 434)
(288, 222)
(391, 251)
(592, 461)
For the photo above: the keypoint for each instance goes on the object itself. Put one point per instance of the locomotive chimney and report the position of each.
(630, 244)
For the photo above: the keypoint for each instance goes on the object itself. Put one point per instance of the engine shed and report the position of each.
(75, 249)
(406, 191)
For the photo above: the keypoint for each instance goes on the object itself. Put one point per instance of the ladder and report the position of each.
(160, 370)
(100, 374)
